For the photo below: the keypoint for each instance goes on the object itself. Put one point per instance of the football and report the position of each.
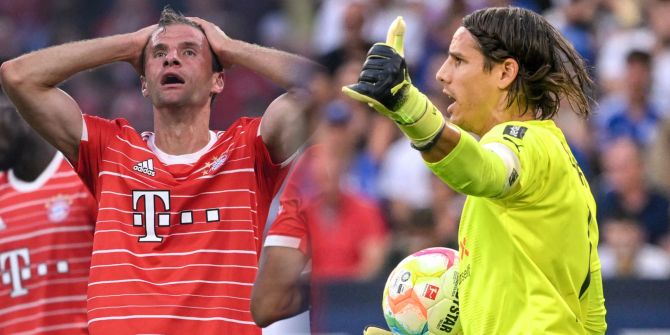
(421, 294)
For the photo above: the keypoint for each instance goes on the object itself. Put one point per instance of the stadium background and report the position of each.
(632, 95)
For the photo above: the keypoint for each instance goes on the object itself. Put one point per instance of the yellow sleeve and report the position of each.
(472, 169)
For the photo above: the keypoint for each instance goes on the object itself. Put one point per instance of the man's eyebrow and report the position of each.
(159, 46)
(189, 44)
(456, 54)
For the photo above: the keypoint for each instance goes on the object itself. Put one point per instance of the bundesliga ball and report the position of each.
(420, 296)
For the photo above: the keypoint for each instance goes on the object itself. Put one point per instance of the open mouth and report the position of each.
(171, 79)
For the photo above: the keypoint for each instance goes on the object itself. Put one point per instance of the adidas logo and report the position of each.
(146, 167)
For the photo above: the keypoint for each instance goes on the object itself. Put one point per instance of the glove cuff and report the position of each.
(427, 123)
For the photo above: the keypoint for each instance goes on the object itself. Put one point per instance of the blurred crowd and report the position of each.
(623, 148)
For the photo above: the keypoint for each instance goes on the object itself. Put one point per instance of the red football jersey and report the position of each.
(46, 235)
(177, 237)
(334, 241)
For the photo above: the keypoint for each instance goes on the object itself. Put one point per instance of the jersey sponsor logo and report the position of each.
(15, 269)
(215, 164)
(149, 216)
(515, 131)
(58, 207)
(146, 167)
(430, 291)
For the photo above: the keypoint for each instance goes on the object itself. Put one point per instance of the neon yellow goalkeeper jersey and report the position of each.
(528, 234)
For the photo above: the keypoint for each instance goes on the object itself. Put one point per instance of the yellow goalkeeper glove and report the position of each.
(371, 330)
(384, 84)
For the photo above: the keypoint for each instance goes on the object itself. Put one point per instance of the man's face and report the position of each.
(473, 90)
(10, 139)
(178, 68)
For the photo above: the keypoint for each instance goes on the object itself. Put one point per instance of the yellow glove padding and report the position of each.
(384, 85)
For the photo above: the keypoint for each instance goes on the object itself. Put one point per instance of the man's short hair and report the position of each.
(171, 17)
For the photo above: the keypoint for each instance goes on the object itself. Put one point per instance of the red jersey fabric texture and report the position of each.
(177, 237)
(46, 236)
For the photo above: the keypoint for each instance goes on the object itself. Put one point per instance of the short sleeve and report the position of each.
(96, 136)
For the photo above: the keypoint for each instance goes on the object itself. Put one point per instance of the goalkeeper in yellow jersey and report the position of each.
(528, 235)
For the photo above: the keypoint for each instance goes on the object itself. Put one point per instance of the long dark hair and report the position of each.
(549, 67)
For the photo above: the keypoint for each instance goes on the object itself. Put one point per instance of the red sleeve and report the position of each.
(271, 175)
(289, 228)
(95, 139)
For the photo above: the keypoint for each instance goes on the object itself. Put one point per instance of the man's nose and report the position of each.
(171, 59)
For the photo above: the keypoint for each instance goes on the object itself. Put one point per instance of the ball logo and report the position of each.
(405, 276)
(58, 208)
(430, 291)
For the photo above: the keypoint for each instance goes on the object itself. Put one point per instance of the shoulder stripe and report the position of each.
(216, 282)
(178, 306)
(180, 234)
(162, 254)
(43, 314)
(175, 267)
(132, 145)
(42, 330)
(45, 232)
(178, 317)
(167, 295)
(39, 201)
(250, 170)
(41, 302)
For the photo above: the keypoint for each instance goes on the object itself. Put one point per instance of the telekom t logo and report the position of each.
(12, 272)
(148, 219)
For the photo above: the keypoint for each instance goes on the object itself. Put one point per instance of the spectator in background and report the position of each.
(353, 45)
(658, 158)
(47, 219)
(320, 219)
(625, 252)
(625, 193)
(632, 114)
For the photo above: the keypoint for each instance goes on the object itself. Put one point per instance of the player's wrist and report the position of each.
(419, 119)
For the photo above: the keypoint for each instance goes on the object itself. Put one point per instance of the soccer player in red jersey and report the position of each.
(181, 209)
(342, 233)
(46, 234)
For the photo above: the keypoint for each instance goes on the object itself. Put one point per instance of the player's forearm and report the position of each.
(287, 70)
(271, 306)
(49, 67)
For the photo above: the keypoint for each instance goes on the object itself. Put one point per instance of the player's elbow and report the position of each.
(10, 75)
(262, 311)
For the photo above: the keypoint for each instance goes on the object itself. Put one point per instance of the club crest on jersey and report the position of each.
(58, 208)
(215, 164)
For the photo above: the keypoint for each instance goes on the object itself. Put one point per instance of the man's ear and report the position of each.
(143, 81)
(509, 69)
(219, 81)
